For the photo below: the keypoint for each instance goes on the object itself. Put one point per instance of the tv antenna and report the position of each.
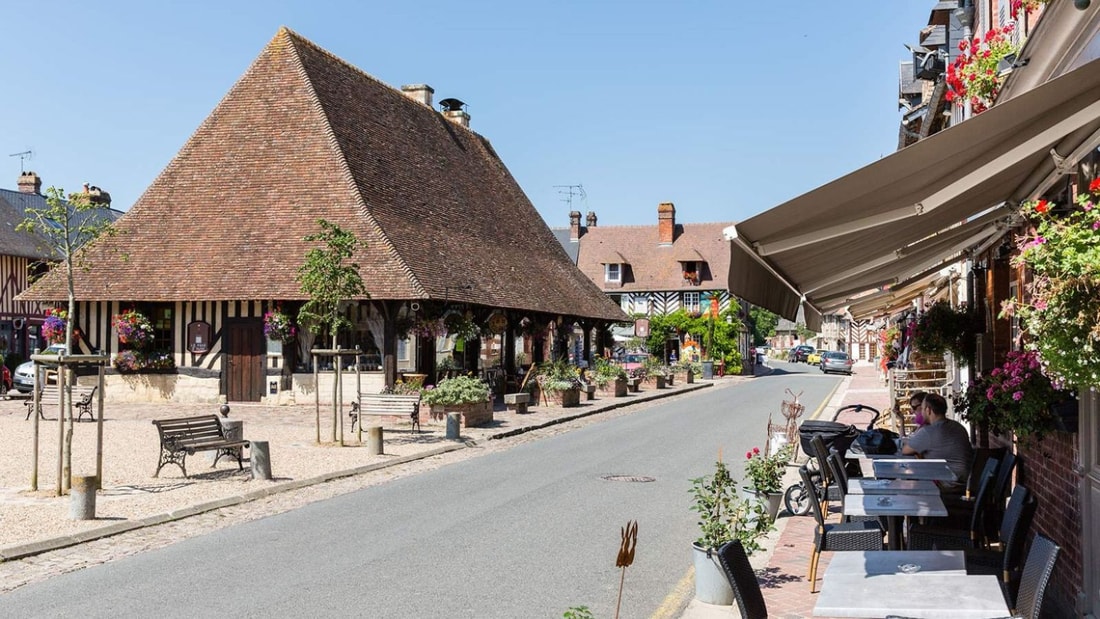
(569, 191)
(23, 156)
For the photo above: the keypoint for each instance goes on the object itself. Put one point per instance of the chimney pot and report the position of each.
(590, 221)
(454, 111)
(29, 182)
(666, 223)
(574, 226)
(421, 93)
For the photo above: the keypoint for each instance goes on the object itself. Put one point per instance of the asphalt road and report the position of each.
(526, 532)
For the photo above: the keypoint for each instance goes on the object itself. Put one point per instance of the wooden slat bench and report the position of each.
(183, 436)
(82, 400)
(387, 405)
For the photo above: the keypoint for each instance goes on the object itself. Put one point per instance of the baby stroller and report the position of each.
(836, 435)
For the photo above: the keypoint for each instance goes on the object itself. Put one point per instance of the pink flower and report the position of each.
(748, 455)
(755, 450)
(1019, 395)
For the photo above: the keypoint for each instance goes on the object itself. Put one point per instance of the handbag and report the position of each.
(879, 441)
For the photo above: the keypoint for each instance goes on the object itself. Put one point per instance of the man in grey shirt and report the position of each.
(945, 439)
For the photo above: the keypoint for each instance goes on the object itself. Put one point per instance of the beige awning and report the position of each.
(924, 204)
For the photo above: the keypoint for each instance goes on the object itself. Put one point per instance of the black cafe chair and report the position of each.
(929, 536)
(1006, 560)
(746, 588)
(862, 535)
(836, 467)
(1033, 583)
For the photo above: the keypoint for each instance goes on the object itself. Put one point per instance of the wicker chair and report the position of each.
(865, 535)
(746, 589)
(939, 537)
(1006, 560)
(1033, 583)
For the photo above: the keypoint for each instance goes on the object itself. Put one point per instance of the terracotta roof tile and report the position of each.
(654, 267)
(304, 135)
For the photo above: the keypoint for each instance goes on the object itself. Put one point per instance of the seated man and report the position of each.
(945, 439)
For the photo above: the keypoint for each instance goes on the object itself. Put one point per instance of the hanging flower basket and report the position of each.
(53, 329)
(133, 328)
(278, 326)
(975, 76)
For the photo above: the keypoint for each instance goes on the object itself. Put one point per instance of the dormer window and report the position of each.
(692, 270)
(613, 272)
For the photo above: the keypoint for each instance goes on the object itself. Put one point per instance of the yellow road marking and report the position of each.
(675, 601)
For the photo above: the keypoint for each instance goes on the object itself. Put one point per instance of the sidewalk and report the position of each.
(784, 564)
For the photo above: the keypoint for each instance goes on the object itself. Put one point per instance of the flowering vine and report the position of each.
(974, 76)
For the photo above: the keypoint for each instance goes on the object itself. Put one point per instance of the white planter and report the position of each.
(711, 584)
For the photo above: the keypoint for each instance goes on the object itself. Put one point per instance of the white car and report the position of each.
(24, 373)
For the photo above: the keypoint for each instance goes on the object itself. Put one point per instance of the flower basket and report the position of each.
(53, 329)
(975, 77)
(278, 326)
(133, 328)
(1016, 397)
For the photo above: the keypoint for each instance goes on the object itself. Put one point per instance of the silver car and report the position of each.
(23, 380)
(833, 361)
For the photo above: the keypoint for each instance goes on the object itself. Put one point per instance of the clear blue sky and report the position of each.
(724, 108)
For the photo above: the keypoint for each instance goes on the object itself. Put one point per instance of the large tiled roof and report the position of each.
(655, 267)
(301, 136)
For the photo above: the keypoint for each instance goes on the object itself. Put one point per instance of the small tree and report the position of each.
(763, 325)
(330, 278)
(65, 227)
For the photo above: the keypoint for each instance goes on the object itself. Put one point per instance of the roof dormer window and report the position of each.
(692, 270)
(613, 272)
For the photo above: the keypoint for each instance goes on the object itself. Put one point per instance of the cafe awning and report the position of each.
(920, 206)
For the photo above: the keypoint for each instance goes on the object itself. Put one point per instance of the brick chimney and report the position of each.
(574, 226)
(421, 93)
(666, 223)
(29, 182)
(453, 110)
(590, 221)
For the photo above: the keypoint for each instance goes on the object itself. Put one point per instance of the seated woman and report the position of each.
(945, 439)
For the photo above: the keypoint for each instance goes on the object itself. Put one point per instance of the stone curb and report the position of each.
(23, 551)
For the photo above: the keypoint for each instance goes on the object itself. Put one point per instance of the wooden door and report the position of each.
(244, 361)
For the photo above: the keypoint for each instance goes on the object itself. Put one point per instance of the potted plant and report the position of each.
(765, 477)
(53, 328)
(278, 327)
(686, 371)
(461, 394)
(974, 77)
(610, 378)
(657, 372)
(560, 382)
(723, 516)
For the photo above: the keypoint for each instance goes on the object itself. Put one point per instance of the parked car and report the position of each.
(834, 361)
(814, 358)
(634, 361)
(24, 372)
(798, 353)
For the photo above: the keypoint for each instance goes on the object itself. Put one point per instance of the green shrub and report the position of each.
(455, 391)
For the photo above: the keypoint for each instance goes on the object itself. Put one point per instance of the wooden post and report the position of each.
(99, 427)
(317, 394)
(339, 403)
(389, 342)
(58, 488)
(358, 390)
(36, 401)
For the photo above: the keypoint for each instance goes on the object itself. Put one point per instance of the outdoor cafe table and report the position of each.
(878, 562)
(867, 485)
(894, 507)
(919, 595)
(935, 470)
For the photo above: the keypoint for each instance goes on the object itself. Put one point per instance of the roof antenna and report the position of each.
(572, 190)
(23, 156)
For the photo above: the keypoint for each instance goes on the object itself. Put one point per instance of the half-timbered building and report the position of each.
(217, 239)
(24, 255)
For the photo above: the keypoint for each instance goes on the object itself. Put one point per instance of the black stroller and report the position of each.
(836, 435)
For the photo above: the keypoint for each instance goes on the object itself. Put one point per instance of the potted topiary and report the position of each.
(723, 516)
(466, 395)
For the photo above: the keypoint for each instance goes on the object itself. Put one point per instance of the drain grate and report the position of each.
(630, 478)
